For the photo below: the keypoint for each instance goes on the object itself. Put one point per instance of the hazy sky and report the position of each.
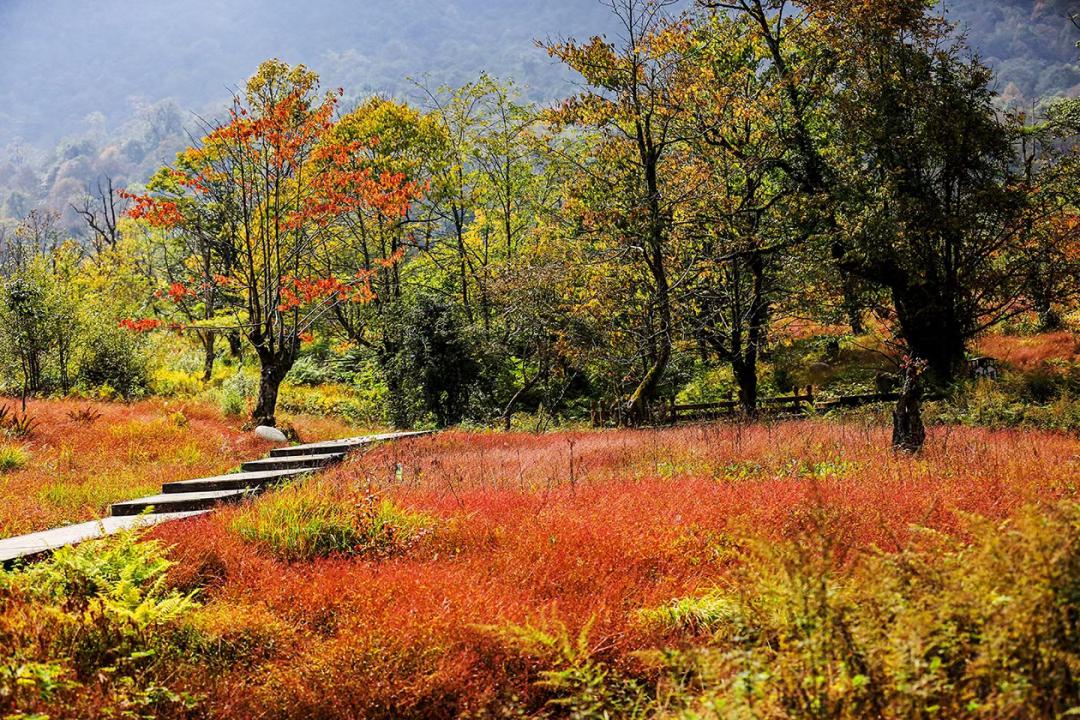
(63, 59)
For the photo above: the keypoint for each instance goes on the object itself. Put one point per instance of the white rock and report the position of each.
(270, 433)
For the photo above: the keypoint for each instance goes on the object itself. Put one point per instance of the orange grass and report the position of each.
(576, 527)
(74, 471)
(1028, 352)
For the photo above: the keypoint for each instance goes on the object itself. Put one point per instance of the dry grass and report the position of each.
(78, 463)
(569, 530)
(1032, 351)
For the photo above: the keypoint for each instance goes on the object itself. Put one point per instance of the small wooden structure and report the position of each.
(668, 412)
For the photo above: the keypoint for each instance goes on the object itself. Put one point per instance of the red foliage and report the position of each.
(157, 212)
(579, 526)
(142, 325)
(1029, 352)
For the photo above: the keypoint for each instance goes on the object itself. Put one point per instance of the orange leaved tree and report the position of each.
(258, 201)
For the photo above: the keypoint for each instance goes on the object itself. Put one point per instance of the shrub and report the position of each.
(167, 382)
(90, 626)
(227, 634)
(575, 682)
(84, 416)
(987, 629)
(997, 405)
(114, 358)
(304, 520)
(354, 404)
(310, 370)
(436, 369)
(15, 425)
(235, 392)
(12, 457)
(693, 614)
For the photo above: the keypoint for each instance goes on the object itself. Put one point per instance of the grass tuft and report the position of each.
(305, 520)
(12, 457)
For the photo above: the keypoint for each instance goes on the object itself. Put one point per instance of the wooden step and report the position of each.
(298, 462)
(344, 445)
(235, 481)
(180, 502)
(39, 543)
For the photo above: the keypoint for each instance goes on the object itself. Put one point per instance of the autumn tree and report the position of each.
(497, 186)
(371, 241)
(752, 217)
(912, 170)
(277, 183)
(632, 167)
(929, 208)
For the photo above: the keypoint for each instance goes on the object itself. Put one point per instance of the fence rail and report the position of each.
(669, 412)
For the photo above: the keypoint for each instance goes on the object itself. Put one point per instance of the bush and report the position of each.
(14, 424)
(305, 520)
(944, 628)
(235, 393)
(12, 458)
(436, 370)
(114, 358)
(575, 683)
(311, 370)
(1003, 405)
(88, 631)
(354, 404)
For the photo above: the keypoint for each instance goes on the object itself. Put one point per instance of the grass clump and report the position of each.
(573, 680)
(90, 632)
(704, 614)
(306, 520)
(12, 457)
(944, 628)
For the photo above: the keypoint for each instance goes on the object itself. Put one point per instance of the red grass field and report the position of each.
(573, 528)
(1028, 352)
(75, 470)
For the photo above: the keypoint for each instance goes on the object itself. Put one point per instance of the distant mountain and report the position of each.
(1031, 44)
(64, 61)
(111, 86)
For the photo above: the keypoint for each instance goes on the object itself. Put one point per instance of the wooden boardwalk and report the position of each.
(179, 500)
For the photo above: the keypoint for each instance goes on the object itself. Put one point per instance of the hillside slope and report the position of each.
(110, 87)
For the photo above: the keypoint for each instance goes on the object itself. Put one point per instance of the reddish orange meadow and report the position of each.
(81, 456)
(569, 530)
(694, 572)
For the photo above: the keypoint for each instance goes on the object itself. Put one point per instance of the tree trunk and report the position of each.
(909, 434)
(207, 338)
(508, 413)
(745, 372)
(236, 345)
(273, 369)
(63, 361)
(852, 305)
(1049, 319)
(932, 333)
(646, 389)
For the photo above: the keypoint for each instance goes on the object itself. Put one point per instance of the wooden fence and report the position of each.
(668, 412)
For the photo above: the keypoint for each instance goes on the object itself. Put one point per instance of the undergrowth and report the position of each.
(944, 628)
(88, 633)
(308, 519)
(12, 457)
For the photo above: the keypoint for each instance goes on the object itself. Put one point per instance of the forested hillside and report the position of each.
(1029, 43)
(111, 88)
(83, 94)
